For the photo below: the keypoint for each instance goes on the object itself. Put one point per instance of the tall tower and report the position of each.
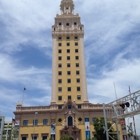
(70, 112)
(68, 65)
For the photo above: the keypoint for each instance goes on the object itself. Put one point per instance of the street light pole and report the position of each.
(34, 123)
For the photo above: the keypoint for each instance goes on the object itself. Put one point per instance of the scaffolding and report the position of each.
(125, 107)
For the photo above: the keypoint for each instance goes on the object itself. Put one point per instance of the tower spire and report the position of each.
(67, 6)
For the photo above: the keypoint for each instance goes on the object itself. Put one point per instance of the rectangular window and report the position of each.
(60, 23)
(34, 137)
(76, 37)
(59, 89)
(77, 64)
(59, 65)
(67, 24)
(24, 138)
(68, 44)
(69, 80)
(35, 122)
(77, 57)
(78, 80)
(68, 73)
(78, 88)
(60, 73)
(75, 23)
(69, 97)
(79, 106)
(45, 121)
(68, 38)
(59, 106)
(76, 43)
(69, 107)
(59, 44)
(60, 98)
(59, 81)
(69, 88)
(76, 50)
(77, 72)
(59, 38)
(68, 50)
(25, 122)
(52, 120)
(44, 137)
(78, 97)
(59, 58)
(59, 51)
(68, 65)
(68, 57)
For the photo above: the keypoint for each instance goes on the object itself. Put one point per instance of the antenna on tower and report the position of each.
(115, 91)
(23, 95)
(129, 90)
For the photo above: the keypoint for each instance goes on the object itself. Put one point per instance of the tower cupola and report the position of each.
(67, 7)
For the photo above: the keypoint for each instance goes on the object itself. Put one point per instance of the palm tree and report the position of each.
(66, 137)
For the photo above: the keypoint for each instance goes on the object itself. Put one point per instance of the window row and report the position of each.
(67, 24)
(68, 51)
(35, 122)
(68, 89)
(69, 97)
(67, 44)
(69, 81)
(34, 137)
(68, 57)
(68, 65)
(68, 72)
(68, 38)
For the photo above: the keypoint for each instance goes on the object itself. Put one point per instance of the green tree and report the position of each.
(66, 137)
(98, 126)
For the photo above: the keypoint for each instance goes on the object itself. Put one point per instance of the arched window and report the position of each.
(70, 121)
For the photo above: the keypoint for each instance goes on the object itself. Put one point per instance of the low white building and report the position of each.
(1, 126)
(7, 131)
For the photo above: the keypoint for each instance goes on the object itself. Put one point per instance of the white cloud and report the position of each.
(124, 74)
(13, 78)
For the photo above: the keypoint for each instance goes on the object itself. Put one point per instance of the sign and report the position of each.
(87, 128)
(124, 137)
(87, 134)
(53, 125)
(123, 125)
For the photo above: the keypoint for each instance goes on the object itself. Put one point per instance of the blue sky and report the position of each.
(112, 49)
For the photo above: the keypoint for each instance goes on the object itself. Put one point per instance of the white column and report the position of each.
(54, 70)
(83, 69)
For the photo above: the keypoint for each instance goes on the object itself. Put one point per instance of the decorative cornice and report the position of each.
(54, 108)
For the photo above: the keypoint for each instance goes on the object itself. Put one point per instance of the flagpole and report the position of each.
(115, 92)
(23, 95)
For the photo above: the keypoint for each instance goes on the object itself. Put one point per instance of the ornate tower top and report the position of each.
(67, 7)
(67, 22)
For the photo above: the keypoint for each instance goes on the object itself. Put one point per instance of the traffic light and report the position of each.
(127, 104)
(122, 105)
